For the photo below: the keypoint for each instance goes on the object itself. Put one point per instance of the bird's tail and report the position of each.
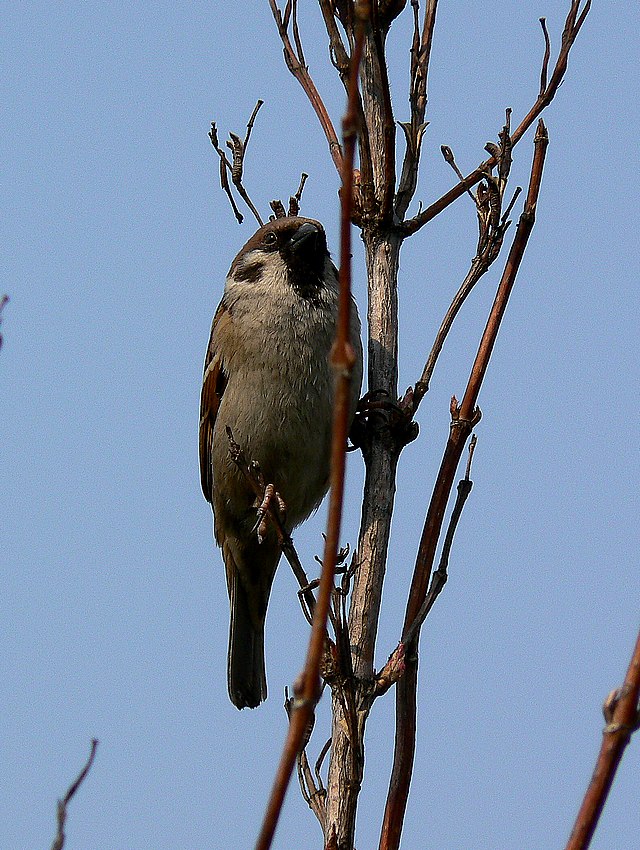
(246, 677)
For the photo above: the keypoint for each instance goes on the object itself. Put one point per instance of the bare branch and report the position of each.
(492, 226)
(294, 200)
(388, 123)
(440, 576)
(414, 129)
(3, 300)
(337, 50)
(547, 54)
(238, 148)
(58, 841)
(224, 165)
(622, 716)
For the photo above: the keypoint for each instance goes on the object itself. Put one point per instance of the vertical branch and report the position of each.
(307, 686)
(463, 419)
(377, 142)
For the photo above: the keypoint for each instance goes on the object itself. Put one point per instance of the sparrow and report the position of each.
(268, 379)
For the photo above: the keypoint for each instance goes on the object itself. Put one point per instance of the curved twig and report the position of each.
(297, 67)
(58, 841)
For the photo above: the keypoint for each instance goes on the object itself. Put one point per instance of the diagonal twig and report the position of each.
(622, 715)
(492, 226)
(464, 417)
(286, 543)
(58, 841)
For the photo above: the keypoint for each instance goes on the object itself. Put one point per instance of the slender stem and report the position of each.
(301, 73)
(58, 841)
(307, 687)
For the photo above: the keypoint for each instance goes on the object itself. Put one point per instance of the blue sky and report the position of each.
(115, 243)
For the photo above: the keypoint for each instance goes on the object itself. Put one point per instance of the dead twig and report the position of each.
(238, 148)
(622, 716)
(58, 841)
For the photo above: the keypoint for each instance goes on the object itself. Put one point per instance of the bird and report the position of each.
(268, 382)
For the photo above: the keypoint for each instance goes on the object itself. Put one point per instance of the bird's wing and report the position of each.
(213, 384)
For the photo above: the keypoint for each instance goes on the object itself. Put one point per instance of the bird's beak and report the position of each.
(306, 239)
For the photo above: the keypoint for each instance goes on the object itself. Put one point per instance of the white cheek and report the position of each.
(272, 283)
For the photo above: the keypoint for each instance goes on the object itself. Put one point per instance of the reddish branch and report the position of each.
(623, 718)
(573, 23)
(307, 686)
(463, 419)
(296, 64)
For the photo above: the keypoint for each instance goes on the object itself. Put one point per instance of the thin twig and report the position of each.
(545, 59)
(224, 166)
(301, 73)
(3, 300)
(294, 200)
(307, 686)
(464, 418)
(622, 716)
(573, 24)
(238, 148)
(440, 576)
(492, 226)
(58, 841)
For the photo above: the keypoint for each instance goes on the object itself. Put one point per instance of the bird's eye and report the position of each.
(270, 238)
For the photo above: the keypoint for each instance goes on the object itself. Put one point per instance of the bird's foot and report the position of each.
(377, 414)
(272, 504)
